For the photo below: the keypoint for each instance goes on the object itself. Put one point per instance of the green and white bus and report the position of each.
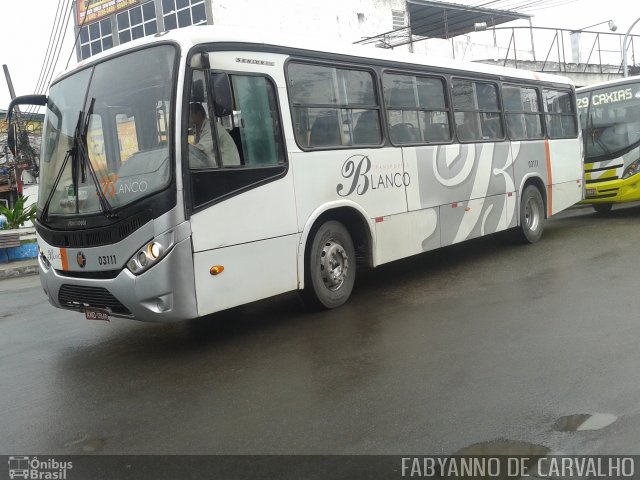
(610, 121)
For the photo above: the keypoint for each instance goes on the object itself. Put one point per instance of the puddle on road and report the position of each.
(88, 445)
(93, 445)
(583, 422)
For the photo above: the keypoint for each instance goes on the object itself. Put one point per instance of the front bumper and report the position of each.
(164, 293)
(614, 191)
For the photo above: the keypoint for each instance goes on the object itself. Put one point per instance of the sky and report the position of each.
(27, 25)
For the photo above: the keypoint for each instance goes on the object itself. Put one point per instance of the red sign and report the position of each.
(90, 10)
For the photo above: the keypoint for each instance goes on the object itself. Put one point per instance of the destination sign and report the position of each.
(608, 97)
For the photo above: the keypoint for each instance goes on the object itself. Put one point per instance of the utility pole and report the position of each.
(17, 172)
(625, 69)
(12, 92)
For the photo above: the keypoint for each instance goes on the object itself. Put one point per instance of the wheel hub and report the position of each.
(334, 264)
(532, 215)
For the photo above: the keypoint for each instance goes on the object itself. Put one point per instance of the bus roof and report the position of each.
(194, 35)
(609, 83)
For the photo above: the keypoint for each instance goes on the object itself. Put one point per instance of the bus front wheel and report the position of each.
(531, 215)
(330, 267)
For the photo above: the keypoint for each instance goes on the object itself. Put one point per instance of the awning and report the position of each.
(446, 20)
(428, 19)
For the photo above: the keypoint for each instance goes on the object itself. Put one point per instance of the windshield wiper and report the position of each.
(79, 160)
(85, 162)
(71, 153)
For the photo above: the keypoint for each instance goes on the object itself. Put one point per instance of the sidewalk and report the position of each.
(19, 268)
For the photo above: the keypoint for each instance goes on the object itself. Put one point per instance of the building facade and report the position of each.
(103, 24)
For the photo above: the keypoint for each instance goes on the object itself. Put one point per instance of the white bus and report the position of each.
(322, 159)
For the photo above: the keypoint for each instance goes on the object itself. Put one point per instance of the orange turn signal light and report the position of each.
(216, 269)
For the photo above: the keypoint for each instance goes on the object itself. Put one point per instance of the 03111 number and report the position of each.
(107, 260)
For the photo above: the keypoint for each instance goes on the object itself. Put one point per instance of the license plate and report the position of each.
(591, 192)
(96, 314)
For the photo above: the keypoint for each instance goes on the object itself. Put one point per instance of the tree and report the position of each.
(18, 215)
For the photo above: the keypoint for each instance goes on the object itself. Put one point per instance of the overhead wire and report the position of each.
(525, 4)
(58, 47)
(58, 33)
(52, 55)
(49, 45)
(48, 53)
(75, 42)
(54, 63)
(558, 4)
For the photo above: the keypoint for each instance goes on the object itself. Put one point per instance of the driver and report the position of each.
(203, 140)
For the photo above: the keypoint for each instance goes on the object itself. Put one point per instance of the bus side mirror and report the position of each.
(39, 100)
(222, 95)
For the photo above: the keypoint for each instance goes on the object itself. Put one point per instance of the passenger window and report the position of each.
(256, 122)
(560, 113)
(247, 147)
(333, 107)
(522, 112)
(477, 111)
(248, 135)
(416, 109)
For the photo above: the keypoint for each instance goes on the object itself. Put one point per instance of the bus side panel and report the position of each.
(565, 164)
(263, 212)
(407, 234)
(565, 195)
(373, 178)
(475, 218)
(252, 271)
(565, 159)
(530, 160)
(559, 165)
(254, 236)
(472, 184)
(450, 173)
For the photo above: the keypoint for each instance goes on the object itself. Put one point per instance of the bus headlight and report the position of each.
(151, 253)
(632, 169)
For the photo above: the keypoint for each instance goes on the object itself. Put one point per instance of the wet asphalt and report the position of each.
(483, 343)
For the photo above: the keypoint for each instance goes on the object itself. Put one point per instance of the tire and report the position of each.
(602, 208)
(330, 267)
(532, 216)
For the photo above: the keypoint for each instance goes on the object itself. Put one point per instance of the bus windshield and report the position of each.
(610, 119)
(111, 124)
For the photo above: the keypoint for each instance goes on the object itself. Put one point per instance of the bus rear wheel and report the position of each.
(602, 208)
(531, 216)
(330, 267)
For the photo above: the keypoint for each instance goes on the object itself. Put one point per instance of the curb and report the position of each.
(24, 269)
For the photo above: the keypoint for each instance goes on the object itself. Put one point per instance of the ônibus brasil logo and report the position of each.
(33, 468)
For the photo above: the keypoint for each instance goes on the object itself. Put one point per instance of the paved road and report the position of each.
(475, 343)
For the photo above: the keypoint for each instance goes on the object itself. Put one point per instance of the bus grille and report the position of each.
(614, 169)
(600, 180)
(94, 237)
(78, 297)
